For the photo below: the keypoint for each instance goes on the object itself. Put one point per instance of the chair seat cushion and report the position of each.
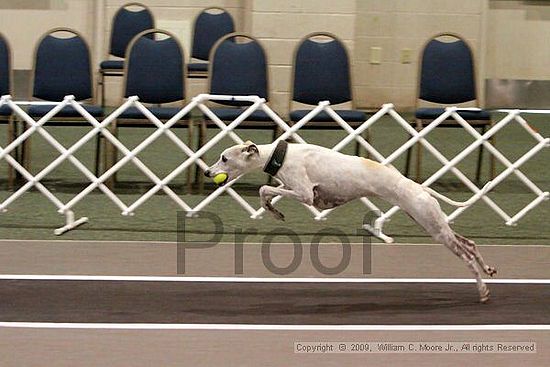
(112, 64)
(433, 113)
(197, 67)
(230, 114)
(67, 111)
(346, 115)
(162, 113)
(5, 110)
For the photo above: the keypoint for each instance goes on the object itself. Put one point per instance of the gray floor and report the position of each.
(260, 303)
(371, 304)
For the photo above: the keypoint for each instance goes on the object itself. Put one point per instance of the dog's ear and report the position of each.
(250, 148)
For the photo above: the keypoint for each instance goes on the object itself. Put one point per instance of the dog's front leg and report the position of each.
(267, 193)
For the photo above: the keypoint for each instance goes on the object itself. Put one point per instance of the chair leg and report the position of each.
(274, 136)
(480, 158)
(110, 155)
(98, 143)
(275, 133)
(17, 150)
(365, 135)
(492, 162)
(11, 138)
(190, 144)
(26, 151)
(408, 161)
(198, 176)
(101, 82)
(418, 162)
(368, 137)
(418, 153)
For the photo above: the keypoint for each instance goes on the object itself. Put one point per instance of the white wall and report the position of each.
(509, 36)
(398, 25)
(23, 27)
(173, 15)
(280, 25)
(517, 40)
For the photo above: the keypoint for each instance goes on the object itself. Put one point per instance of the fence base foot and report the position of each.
(70, 223)
(377, 232)
(257, 215)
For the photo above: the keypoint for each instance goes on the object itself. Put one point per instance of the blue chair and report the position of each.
(154, 70)
(447, 77)
(322, 72)
(6, 117)
(210, 25)
(126, 24)
(62, 67)
(238, 67)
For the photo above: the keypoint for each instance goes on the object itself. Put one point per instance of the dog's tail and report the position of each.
(468, 202)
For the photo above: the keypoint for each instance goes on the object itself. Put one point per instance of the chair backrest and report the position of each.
(447, 71)
(321, 70)
(5, 66)
(62, 67)
(154, 69)
(238, 67)
(210, 25)
(127, 24)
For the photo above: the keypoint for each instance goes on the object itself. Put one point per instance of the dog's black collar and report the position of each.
(276, 159)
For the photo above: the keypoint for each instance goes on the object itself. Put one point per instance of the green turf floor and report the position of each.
(34, 217)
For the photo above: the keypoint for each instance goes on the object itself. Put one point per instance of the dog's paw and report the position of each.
(485, 299)
(278, 215)
(484, 295)
(270, 208)
(489, 270)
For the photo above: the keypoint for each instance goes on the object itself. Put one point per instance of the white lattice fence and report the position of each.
(195, 157)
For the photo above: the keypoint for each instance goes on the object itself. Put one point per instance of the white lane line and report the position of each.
(106, 242)
(213, 279)
(139, 326)
(525, 111)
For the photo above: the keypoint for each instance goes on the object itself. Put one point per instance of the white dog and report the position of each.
(325, 179)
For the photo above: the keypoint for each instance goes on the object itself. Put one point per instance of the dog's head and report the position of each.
(235, 161)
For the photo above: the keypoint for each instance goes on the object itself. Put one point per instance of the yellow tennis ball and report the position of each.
(220, 178)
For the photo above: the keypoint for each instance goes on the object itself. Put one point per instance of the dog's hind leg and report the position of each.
(481, 286)
(425, 210)
(472, 249)
(457, 248)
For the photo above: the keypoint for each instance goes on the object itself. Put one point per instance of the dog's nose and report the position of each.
(207, 173)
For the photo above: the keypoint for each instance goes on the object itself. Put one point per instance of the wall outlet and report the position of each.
(406, 56)
(375, 55)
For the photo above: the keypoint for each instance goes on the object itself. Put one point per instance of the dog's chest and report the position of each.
(324, 198)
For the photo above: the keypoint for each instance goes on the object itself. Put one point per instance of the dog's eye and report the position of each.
(224, 159)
